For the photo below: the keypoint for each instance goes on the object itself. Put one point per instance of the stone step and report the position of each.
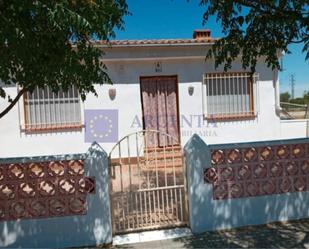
(161, 149)
(162, 156)
(152, 164)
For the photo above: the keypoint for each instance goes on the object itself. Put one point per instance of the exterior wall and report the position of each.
(207, 213)
(93, 228)
(294, 128)
(125, 66)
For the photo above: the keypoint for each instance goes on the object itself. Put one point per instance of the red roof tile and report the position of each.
(155, 42)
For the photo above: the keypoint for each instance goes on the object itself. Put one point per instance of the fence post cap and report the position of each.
(195, 140)
(95, 147)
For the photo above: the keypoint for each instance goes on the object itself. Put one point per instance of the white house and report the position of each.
(164, 85)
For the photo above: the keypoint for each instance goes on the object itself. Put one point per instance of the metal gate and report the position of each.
(147, 184)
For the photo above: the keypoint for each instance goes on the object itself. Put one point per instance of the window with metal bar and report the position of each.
(229, 95)
(46, 110)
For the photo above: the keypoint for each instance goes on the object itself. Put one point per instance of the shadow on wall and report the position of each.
(94, 228)
(207, 214)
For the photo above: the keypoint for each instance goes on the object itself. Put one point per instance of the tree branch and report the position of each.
(12, 104)
(299, 41)
(257, 5)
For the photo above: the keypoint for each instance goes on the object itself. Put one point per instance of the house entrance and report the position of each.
(159, 96)
(147, 183)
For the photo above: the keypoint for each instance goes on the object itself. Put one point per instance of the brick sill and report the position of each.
(51, 128)
(231, 117)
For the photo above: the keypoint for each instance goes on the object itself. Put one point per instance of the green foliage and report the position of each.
(306, 97)
(256, 29)
(302, 100)
(45, 42)
(285, 97)
(299, 101)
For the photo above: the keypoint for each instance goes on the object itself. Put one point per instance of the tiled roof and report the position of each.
(155, 42)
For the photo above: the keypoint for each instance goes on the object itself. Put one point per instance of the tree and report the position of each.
(255, 28)
(45, 42)
(306, 97)
(285, 97)
(299, 101)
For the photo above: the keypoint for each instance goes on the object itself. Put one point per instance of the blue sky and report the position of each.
(178, 18)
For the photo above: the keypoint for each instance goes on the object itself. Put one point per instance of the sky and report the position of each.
(163, 19)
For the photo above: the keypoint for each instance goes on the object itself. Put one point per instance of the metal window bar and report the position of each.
(44, 121)
(32, 111)
(230, 94)
(224, 83)
(256, 95)
(205, 90)
(64, 104)
(246, 101)
(38, 107)
(59, 109)
(46, 110)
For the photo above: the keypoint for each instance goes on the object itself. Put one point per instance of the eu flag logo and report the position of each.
(101, 126)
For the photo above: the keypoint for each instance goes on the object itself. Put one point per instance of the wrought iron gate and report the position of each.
(147, 184)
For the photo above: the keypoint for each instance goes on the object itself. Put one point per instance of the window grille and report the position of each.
(44, 109)
(229, 95)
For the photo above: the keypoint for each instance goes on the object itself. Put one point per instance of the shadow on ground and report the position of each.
(293, 234)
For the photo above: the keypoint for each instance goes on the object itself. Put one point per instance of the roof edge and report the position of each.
(154, 42)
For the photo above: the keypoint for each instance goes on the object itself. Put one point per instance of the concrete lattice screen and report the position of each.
(55, 201)
(43, 189)
(238, 172)
(278, 170)
(240, 184)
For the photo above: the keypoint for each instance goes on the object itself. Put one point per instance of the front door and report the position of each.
(160, 108)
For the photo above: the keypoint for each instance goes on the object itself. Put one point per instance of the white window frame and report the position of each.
(225, 77)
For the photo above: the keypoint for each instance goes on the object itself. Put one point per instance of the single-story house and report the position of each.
(164, 85)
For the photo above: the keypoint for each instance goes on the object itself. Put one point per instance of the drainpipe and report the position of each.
(307, 118)
(277, 93)
(280, 54)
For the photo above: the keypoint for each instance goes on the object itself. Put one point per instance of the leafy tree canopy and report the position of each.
(285, 97)
(301, 100)
(44, 42)
(255, 28)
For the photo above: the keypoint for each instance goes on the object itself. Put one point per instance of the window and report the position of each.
(45, 110)
(229, 95)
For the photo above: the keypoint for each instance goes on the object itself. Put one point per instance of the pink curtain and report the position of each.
(160, 109)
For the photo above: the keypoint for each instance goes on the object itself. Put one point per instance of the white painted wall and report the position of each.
(125, 66)
(294, 128)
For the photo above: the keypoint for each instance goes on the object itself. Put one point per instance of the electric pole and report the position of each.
(292, 85)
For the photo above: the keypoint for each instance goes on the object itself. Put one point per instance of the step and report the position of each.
(152, 166)
(158, 157)
(151, 236)
(167, 148)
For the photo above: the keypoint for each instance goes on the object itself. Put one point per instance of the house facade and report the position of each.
(178, 144)
(164, 85)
